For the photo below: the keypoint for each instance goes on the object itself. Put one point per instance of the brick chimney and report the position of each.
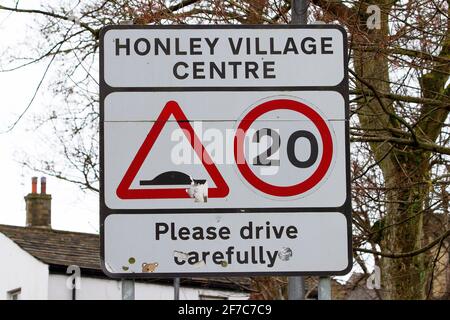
(38, 205)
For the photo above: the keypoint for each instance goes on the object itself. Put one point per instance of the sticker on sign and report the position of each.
(212, 132)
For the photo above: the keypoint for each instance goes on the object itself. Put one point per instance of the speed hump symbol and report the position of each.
(316, 164)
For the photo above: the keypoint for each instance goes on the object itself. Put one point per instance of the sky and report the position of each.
(72, 208)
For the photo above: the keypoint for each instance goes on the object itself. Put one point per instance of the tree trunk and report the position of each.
(407, 189)
(404, 171)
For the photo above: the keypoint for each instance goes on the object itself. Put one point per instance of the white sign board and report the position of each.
(209, 57)
(228, 242)
(229, 127)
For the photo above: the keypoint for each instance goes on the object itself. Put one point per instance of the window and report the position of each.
(14, 294)
(211, 297)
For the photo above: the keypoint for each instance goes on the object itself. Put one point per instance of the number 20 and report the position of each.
(263, 158)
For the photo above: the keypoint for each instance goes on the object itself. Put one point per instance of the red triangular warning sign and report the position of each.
(171, 108)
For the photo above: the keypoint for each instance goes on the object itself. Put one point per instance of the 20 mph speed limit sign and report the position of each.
(224, 149)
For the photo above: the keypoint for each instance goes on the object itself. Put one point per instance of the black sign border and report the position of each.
(345, 209)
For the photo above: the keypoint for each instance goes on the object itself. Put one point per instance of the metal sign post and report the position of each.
(128, 289)
(296, 288)
(299, 11)
(299, 15)
(176, 289)
(324, 288)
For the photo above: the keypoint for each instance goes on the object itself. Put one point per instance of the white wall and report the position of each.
(18, 269)
(108, 289)
(91, 289)
(165, 292)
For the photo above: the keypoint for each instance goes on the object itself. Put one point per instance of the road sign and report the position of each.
(123, 190)
(229, 133)
(322, 165)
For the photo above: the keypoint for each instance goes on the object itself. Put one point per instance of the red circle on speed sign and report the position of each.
(303, 186)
